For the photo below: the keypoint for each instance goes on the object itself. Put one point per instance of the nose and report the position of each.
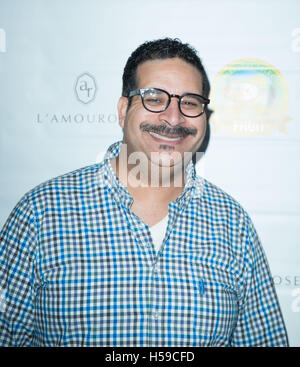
(172, 114)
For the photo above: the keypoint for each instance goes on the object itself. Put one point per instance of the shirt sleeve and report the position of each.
(17, 241)
(259, 322)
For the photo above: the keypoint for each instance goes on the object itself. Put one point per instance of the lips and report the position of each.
(165, 138)
(171, 139)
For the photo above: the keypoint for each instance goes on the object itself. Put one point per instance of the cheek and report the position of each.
(131, 130)
(201, 131)
(202, 128)
(135, 117)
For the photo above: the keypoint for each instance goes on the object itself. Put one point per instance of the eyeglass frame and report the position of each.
(141, 92)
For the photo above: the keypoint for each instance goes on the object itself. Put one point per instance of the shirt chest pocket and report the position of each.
(208, 298)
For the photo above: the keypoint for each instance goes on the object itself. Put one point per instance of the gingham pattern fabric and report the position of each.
(78, 268)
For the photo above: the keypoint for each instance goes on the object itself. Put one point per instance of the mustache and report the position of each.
(177, 130)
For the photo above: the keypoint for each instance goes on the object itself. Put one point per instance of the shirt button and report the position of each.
(155, 315)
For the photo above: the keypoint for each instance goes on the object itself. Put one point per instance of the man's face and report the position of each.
(176, 77)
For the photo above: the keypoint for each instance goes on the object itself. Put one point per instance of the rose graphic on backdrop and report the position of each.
(85, 88)
(249, 98)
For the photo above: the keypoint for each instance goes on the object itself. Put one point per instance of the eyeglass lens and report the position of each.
(157, 101)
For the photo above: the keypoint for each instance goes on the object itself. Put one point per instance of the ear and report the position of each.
(122, 108)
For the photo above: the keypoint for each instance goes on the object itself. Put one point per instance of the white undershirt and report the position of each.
(158, 232)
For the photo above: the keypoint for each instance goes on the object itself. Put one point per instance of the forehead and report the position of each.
(174, 75)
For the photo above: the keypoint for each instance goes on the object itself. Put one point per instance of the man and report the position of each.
(138, 250)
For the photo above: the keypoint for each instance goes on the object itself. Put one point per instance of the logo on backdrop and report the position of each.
(293, 282)
(2, 40)
(85, 88)
(250, 98)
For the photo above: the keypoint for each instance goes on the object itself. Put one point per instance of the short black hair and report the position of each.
(165, 48)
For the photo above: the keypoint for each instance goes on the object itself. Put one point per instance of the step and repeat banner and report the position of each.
(61, 65)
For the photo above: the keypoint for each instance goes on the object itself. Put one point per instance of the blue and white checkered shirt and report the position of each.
(78, 268)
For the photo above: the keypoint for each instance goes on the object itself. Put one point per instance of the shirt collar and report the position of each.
(192, 189)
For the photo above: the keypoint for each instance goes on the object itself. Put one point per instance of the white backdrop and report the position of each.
(52, 51)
